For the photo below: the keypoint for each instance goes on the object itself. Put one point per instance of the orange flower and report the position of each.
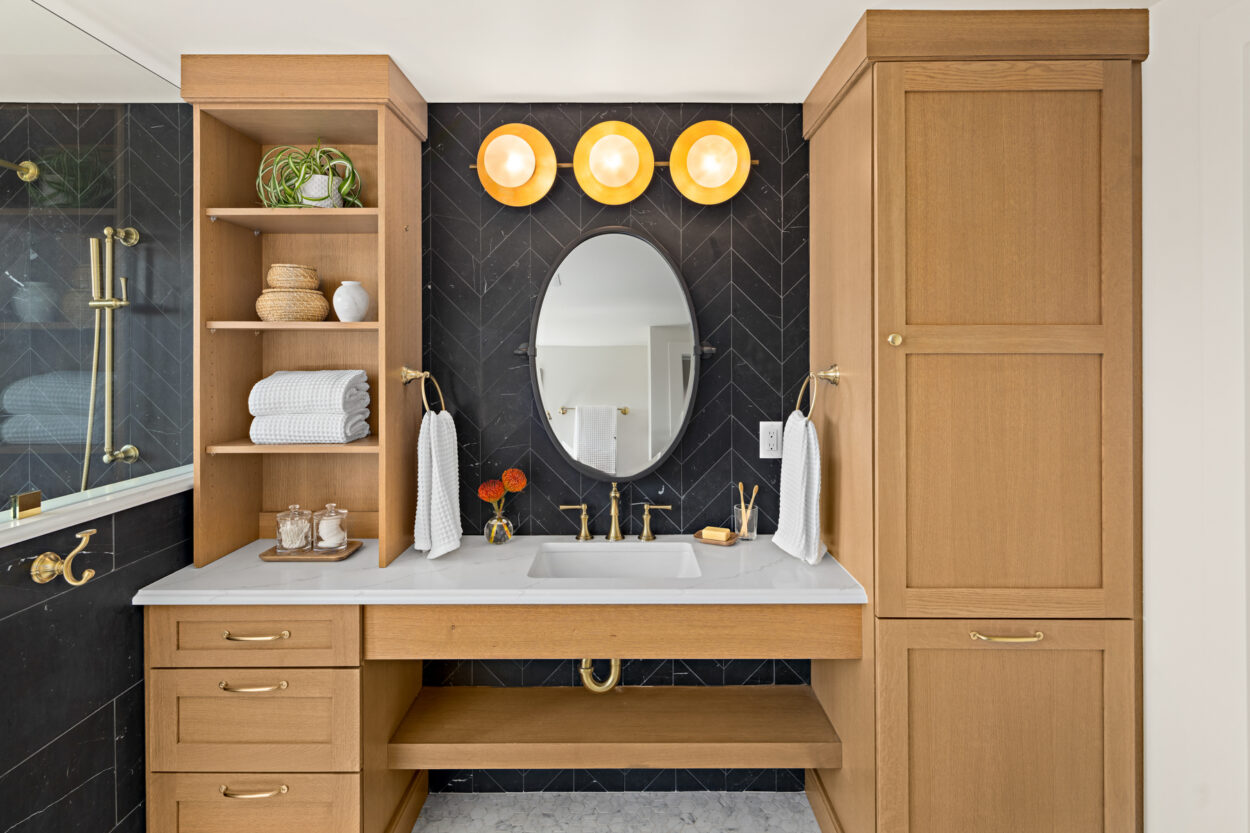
(514, 480)
(491, 491)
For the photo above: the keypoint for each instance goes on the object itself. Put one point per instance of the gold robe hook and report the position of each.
(50, 565)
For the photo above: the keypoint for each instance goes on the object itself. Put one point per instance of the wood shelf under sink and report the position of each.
(474, 727)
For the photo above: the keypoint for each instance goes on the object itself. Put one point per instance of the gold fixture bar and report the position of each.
(26, 171)
(658, 164)
(624, 409)
(49, 565)
(229, 793)
(252, 689)
(103, 300)
(273, 637)
(1038, 636)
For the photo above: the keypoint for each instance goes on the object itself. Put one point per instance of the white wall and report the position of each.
(1194, 146)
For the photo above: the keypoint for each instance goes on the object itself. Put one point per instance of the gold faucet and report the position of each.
(615, 533)
(647, 534)
(584, 535)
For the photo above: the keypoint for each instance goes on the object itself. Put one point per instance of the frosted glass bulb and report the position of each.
(509, 161)
(614, 161)
(712, 161)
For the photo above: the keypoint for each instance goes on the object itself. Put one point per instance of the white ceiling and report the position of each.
(522, 50)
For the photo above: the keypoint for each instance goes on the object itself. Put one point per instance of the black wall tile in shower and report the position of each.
(745, 262)
(73, 751)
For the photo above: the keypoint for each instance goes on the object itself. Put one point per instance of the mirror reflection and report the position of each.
(614, 355)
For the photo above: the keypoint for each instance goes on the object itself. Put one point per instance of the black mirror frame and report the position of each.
(695, 357)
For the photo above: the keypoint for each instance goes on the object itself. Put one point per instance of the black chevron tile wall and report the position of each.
(101, 165)
(746, 263)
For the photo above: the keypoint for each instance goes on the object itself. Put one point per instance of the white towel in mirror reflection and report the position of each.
(594, 436)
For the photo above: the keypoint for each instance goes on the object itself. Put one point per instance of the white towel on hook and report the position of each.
(798, 516)
(309, 392)
(437, 526)
(594, 437)
(293, 429)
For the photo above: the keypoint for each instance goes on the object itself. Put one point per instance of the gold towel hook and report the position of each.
(832, 375)
(49, 565)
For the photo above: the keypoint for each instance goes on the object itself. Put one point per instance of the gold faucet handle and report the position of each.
(584, 534)
(647, 534)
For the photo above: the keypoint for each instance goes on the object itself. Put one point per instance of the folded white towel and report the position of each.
(437, 527)
(58, 392)
(309, 392)
(21, 429)
(798, 516)
(291, 429)
(594, 436)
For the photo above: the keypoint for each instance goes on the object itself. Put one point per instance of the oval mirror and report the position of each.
(613, 356)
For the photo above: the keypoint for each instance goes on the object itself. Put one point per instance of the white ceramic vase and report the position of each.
(319, 192)
(351, 301)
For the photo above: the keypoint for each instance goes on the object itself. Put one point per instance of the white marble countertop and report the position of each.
(750, 572)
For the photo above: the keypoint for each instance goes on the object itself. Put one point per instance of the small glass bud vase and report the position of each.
(498, 529)
(330, 525)
(294, 530)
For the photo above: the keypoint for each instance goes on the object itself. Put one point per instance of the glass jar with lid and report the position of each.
(330, 529)
(294, 529)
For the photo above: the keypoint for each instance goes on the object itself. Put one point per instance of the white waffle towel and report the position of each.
(594, 437)
(58, 392)
(309, 392)
(22, 429)
(292, 429)
(798, 517)
(437, 526)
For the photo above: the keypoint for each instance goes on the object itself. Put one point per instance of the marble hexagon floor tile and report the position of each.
(710, 812)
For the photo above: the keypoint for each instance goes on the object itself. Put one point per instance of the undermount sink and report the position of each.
(623, 560)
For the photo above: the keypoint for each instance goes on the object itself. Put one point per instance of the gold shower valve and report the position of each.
(50, 565)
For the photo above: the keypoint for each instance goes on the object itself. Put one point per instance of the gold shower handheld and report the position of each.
(26, 171)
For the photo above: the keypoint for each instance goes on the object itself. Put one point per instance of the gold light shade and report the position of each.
(710, 162)
(516, 164)
(613, 162)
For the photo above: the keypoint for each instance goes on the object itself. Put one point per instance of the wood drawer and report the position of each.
(212, 636)
(292, 720)
(978, 736)
(194, 803)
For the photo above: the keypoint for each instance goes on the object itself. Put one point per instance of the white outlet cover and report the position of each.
(770, 440)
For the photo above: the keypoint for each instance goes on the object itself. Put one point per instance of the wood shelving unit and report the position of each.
(646, 727)
(245, 105)
(299, 220)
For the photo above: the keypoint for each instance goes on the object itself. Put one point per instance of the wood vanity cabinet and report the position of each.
(975, 274)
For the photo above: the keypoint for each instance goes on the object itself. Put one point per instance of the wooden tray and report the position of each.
(272, 554)
(733, 539)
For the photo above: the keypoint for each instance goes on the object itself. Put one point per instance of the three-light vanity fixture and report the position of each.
(614, 163)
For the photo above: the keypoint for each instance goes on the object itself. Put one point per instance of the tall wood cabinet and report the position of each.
(975, 246)
(244, 106)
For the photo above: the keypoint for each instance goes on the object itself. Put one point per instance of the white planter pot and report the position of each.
(351, 301)
(318, 191)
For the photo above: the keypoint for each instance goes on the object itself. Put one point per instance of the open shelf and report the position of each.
(319, 326)
(641, 727)
(369, 445)
(309, 220)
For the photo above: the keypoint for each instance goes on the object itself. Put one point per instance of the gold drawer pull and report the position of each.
(228, 793)
(1036, 637)
(269, 637)
(252, 689)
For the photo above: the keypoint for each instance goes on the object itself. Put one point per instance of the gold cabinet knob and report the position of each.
(894, 339)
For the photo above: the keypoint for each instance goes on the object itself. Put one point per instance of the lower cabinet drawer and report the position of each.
(254, 719)
(226, 802)
(985, 726)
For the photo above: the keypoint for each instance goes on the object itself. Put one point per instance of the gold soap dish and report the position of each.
(272, 554)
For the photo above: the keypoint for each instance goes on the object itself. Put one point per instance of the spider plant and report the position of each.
(286, 171)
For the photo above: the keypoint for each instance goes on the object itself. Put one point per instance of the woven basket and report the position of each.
(292, 276)
(292, 305)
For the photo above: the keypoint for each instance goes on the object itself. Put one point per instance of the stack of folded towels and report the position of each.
(310, 406)
(50, 408)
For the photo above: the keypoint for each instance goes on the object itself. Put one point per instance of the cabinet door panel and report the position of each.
(1007, 411)
(984, 737)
